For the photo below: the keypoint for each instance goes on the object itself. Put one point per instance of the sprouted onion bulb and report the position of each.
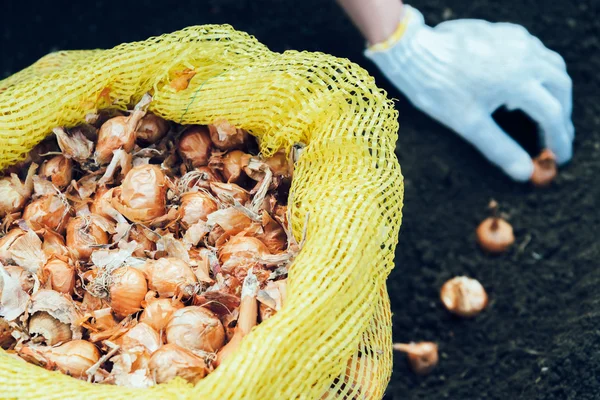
(422, 357)
(463, 296)
(495, 235)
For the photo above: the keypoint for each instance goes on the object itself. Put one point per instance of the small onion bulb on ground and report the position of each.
(171, 361)
(196, 328)
(544, 168)
(495, 235)
(127, 291)
(422, 357)
(464, 296)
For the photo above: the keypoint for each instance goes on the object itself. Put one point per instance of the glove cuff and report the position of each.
(411, 21)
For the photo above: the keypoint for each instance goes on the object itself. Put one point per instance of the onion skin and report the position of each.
(141, 335)
(222, 190)
(171, 361)
(7, 241)
(241, 250)
(151, 129)
(73, 358)
(82, 234)
(58, 170)
(196, 328)
(54, 244)
(195, 146)
(102, 204)
(127, 291)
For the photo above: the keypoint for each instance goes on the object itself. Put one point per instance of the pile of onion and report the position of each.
(134, 250)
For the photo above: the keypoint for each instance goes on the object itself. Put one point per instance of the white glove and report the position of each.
(461, 71)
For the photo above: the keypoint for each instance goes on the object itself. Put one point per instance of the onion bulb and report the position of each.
(273, 235)
(45, 328)
(73, 358)
(127, 291)
(7, 241)
(58, 170)
(158, 312)
(495, 235)
(279, 165)
(49, 211)
(138, 233)
(195, 207)
(463, 296)
(232, 220)
(141, 335)
(233, 164)
(53, 244)
(544, 168)
(60, 275)
(196, 328)
(422, 357)
(226, 136)
(117, 133)
(6, 339)
(14, 193)
(241, 250)
(151, 129)
(83, 234)
(170, 276)
(226, 191)
(195, 146)
(171, 361)
(102, 203)
(59, 307)
(142, 195)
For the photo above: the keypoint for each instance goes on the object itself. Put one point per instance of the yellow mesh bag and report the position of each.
(333, 337)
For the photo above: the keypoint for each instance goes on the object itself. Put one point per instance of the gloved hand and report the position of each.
(461, 71)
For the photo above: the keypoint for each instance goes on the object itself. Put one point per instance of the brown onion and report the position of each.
(45, 328)
(195, 207)
(170, 276)
(6, 339)
(61, 275)
(233, 165)
(195, 146)
(200, 177)
(138, 233)
(83, 234)
(50, 211)
(127, 291)
(273, 235)
(196, 328)
(171, 361)
(226, 136)
(158, 312)
(102, 204)
(142, 195)
(241, 250)
(279, 164)
(73, 358)
(58, 170)
(116, 133)
(151, 129)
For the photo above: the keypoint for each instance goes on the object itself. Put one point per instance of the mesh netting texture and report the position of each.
(333, 337)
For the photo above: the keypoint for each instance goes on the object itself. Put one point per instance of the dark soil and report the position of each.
(540, 336)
